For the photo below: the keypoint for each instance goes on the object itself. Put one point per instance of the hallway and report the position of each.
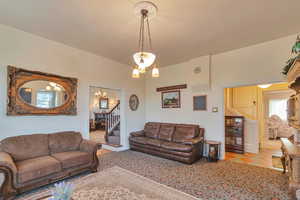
(268, 157)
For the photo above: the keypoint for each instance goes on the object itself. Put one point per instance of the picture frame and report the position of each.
(19, 103)
(134, 102)
(103, 103)
(200, 103)
(171, 99)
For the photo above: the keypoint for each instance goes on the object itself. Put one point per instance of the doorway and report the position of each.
(105, 116)
(264, 113)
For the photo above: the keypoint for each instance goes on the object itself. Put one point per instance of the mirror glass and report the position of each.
(43, 94)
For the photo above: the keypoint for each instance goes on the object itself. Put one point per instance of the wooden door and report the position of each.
(244, 100)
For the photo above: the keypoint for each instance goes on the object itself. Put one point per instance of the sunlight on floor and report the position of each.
(98, 136)
(262, 159)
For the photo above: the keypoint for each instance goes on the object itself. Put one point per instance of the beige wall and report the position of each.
(252, 65)
(35, 53)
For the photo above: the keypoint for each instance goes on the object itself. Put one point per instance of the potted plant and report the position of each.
(295, 51)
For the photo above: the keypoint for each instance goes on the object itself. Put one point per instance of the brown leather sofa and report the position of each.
(30, 161)
(181, 142)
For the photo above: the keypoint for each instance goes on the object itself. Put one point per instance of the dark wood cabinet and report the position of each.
(234, 134)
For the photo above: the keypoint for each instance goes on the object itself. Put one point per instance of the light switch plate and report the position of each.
(215, 109)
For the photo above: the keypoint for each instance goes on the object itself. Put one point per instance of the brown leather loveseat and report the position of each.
(30, 161)
(181, 142)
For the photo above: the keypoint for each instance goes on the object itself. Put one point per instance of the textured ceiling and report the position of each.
(182, 30)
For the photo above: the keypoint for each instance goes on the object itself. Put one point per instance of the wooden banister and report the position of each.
(112, 120)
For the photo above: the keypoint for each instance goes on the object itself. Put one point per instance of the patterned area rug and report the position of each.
(118, 184)
(224, 180)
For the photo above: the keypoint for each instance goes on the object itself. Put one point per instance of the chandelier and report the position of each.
(101, 94)
(145, 59)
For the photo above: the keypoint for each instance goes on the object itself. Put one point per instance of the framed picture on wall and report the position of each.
(170, 99)
(199, 102)
(103, 103)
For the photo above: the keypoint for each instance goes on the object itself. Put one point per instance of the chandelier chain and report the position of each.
(149, 35)
(146, 59)
(140, 34)
(143, 33)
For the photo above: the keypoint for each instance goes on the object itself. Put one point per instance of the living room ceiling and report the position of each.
(181, 31)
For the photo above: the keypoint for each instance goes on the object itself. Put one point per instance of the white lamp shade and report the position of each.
(155, 72)
(135, 73)
(148, 59)
(264, 86)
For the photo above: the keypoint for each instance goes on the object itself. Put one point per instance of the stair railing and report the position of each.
(112, 119)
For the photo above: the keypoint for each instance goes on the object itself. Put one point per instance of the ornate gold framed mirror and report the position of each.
(38, 93)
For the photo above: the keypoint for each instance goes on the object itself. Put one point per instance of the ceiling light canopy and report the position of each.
(145, 58)
(264, 86)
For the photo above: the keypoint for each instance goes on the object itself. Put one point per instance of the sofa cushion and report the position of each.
(166, 132)
(26, 146)
(153, 142)
(36, 168)
(151, 129)
(185, 132)
(140, 140)
(73, 158)
(64, 141)
(176, 147)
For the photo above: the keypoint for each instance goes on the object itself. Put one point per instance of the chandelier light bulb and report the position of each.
(155, 72)
(142, 69)
(135, 73)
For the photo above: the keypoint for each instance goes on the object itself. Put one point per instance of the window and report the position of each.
(45, 99)
(278, 107)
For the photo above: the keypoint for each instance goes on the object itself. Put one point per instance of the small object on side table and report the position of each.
(213, 153)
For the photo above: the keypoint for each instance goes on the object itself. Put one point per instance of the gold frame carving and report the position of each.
(16, 77)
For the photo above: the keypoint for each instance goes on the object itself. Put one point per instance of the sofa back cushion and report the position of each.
(26, 146)
(166, 132)
(64, 141)
(185, 132)
(152, 129)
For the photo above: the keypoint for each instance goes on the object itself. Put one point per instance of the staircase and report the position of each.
(112, 120)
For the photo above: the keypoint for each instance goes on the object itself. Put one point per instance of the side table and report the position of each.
(212, 149)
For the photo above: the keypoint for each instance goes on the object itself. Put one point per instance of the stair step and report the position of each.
(116, 133)
(114, 140)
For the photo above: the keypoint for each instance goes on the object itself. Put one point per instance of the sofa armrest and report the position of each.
(137, 134)
(89, 146)
(9, 171)
(7, 161)
(194, 140)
